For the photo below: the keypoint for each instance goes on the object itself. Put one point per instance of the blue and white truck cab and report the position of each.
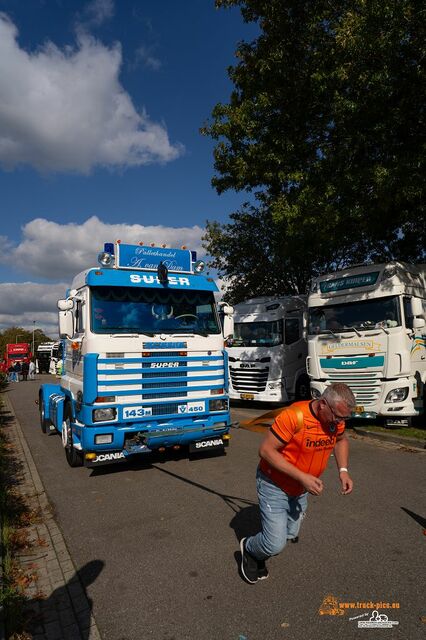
(367, 329)
(144, 364)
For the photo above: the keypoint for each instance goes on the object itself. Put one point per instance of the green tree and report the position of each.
(325, 126)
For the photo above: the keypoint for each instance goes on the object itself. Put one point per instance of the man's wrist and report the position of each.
(343, 469)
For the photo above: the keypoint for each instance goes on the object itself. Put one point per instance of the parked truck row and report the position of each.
(150, 362)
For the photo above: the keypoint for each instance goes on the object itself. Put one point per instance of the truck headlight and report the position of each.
(397, 395)
(218, 405)
(276, 385)
(104, 414)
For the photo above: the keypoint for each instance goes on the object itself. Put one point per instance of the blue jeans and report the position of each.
(281, 517)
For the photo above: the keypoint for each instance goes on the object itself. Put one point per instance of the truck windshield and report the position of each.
(362, 314)
(152, 311)
(257, 334)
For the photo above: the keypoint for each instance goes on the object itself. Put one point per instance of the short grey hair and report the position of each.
(339, 392)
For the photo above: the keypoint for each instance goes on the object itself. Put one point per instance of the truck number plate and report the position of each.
(192, 407)
(358, 409)
(247, 396)
(136, 412)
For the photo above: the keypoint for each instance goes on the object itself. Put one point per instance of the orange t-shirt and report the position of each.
(308, 447)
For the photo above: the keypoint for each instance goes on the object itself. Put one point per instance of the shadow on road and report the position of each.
(55, 611)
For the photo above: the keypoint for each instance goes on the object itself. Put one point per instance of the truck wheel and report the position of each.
(74, 457)
(303, 388)
(44, 423)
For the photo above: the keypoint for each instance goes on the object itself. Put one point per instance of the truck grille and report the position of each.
(365, 386)
(159, 376)
(253, 380)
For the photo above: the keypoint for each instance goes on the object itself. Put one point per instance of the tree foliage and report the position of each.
(325, 125)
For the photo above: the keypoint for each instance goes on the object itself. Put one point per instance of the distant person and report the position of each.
(17, 368)
(293, 456)
(31, 370)
(11, 374)
(25, 367)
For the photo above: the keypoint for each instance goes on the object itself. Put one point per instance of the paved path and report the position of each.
(58, 606)
(162, 541)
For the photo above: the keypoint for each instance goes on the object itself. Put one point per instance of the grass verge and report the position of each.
(15, 516)
(406, 432)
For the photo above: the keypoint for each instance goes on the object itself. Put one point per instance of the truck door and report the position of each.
(294, 349)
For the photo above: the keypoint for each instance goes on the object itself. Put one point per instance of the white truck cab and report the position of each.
(367, 328)
(267, 352)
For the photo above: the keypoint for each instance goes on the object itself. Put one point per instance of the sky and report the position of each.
(101, 103)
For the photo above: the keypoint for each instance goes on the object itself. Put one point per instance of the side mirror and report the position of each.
(416, 307)
(66, 324)
(227, 309)
(418, 323)
(65, 305)
(228, 326)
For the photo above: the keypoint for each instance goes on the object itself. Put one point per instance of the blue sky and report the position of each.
(101, 103)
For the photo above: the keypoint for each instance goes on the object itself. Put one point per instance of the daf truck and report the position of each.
(367, 328)
(144, 364)
(267, 352)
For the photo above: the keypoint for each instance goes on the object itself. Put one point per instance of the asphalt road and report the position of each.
(165, 534)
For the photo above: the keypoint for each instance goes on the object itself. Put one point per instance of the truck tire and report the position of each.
(303, 388)
(74, 457)
(44, 422)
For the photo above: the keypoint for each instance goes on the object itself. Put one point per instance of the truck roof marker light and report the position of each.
(118, 241)
(105, 259)
(109, 247)
(152, 244)
(163, 246)
(140, 243)
(199, 266)
(184, 246)
(389, 272)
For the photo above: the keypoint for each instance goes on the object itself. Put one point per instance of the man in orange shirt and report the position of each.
(293, 455)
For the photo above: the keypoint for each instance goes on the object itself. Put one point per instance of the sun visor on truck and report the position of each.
(130, 278)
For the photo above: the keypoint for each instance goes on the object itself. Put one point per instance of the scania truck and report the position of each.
(16, 352)
(367, 328)
(144, 364)
(267, 353)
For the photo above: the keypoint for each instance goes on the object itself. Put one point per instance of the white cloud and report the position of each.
(60, 251)
(144, 55)
(98, 11)
(23, 303)
(65, 110)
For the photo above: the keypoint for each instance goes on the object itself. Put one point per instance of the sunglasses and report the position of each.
(335, 415)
